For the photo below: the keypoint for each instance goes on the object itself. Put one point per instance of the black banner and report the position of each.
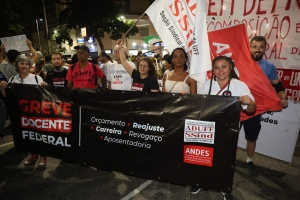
(187, 140)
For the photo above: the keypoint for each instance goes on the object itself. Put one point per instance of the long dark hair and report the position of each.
(185, 55)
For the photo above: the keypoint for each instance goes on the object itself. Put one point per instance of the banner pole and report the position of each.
(133, 25)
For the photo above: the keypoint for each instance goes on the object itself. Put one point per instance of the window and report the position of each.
(144, 31)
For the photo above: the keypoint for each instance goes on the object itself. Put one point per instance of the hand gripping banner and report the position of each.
(186, 140)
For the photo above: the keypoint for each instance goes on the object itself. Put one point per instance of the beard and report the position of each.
(57, 67)
(257, 58)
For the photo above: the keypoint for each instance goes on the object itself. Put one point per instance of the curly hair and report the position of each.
(152, 71)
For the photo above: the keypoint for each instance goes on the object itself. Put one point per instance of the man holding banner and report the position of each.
(252, 125)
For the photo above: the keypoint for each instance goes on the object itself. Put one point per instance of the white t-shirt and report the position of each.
(30, 80)
(236, 87)
(119, 77)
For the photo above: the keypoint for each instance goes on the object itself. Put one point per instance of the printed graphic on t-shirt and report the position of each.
(137, 86)
(58, 82)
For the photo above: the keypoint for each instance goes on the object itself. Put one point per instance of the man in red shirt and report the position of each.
(83, 74)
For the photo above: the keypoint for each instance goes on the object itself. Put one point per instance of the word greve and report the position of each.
(127, 142)
(107, 121)
(48, 139)
(147, 127)
(145, 136)
(47, 124)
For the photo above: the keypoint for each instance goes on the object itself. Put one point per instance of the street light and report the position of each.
(37, 27)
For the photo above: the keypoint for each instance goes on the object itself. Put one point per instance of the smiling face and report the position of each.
(221, 70)
(257, 49)
(23, 67)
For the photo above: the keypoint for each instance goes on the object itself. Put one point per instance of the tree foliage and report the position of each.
(99, 17)
(62, 35)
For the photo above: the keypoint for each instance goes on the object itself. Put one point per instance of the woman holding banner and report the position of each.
(225, 82)
(23, 65)
(178, 80)
(144, 78)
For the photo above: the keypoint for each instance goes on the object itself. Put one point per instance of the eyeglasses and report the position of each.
(144, 66)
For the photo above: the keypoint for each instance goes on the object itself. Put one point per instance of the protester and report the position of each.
(252, 126)
(8, 70)
(23, 65)
(83, 74)
(57, 76)
(38, 68)
(106, 63)
(144, 78)
(178, 80)
(167, 64)
(118, 78)
(225, 82)
(48, 67)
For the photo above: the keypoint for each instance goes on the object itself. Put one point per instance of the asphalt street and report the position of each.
(60, 180)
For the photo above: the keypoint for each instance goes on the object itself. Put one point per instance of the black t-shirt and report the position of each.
(57, 79)
(145, 85)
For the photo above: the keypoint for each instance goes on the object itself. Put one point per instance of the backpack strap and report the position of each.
(12, 79)
(72, 66)
(37, 82)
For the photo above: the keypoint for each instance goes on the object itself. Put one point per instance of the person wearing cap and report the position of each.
(83, 74)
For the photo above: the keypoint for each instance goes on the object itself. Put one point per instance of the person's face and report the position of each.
(221, 69)
(82, 55)
(143, 67)
(178, 58)
(56, 60)
(257, 49)
(101, 58)
(23, 67)
(116, 54)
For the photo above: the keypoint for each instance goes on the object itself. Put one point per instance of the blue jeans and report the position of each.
(2, 117)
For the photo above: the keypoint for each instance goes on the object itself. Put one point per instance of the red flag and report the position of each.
(233, 42)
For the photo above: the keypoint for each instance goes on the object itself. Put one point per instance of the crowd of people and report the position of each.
(139, 74)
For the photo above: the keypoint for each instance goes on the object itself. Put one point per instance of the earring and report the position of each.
(215, 78)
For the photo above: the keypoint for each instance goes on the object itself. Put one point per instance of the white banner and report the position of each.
(181, 23)
(278, 21)
(279, 133)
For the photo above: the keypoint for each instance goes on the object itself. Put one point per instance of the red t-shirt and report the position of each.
(84, 78)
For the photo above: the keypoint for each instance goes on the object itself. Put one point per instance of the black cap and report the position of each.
(83, 47)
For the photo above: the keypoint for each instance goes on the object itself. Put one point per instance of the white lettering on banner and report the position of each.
(197, 152)
(148, 127)
(46, 124)
(145, 136)
(107, 121)
(108, 130)
(48, 139)
(199, 131)
(127, 142)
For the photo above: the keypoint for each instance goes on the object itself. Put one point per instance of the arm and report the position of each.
(70, 84)
(3, 85)
(251, 108)
(104, 82)
(2, 47)
(280, 91)
(109, 85)
(124, 62)
(32, 51)
(193, 85)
